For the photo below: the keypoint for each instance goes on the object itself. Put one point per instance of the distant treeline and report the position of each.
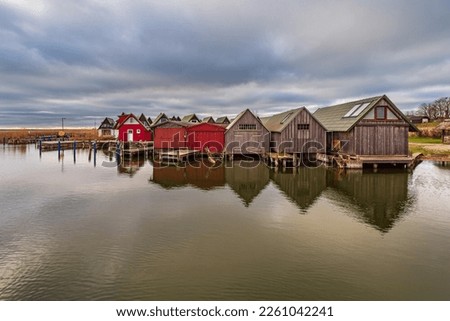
(438, 109)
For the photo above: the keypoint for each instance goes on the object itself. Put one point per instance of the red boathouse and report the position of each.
(206, 135)
(131, 129)
(176, 135)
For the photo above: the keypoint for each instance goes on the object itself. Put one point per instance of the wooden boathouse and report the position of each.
(170, 135)
(367, 131)
(293, 134)
(246, 135)
(206, 137)
(106, 128)
(178, 140)
(131, 129)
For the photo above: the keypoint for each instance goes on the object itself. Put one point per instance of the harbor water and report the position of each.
(74, 230)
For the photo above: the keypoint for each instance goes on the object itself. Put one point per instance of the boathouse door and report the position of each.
(130, 135)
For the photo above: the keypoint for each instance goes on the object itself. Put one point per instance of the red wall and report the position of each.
(206, 135)
(145, 135)
(170, 137)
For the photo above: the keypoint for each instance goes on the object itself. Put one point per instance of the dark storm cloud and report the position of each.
(88, 59)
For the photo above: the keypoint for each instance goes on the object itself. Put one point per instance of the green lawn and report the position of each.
(424, 140)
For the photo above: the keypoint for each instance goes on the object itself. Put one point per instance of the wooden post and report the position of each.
(118, 153)
(40, 148)
(59, 149)
(95, 153)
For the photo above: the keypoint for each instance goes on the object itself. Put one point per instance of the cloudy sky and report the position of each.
(84, 60)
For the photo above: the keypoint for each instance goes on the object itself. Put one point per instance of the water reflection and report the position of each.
(378, 199)
(130, 166)
(197, 175)
(302, 186)
(247, 179)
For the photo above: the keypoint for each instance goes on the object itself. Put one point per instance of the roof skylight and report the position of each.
(351, 111)
(356, 110)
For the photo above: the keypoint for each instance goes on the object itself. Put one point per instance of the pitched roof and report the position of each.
(107, 123)
(333, 119)
(175, 123)
(124, 117)
(336, 118)
(236, 119)
(190, 118)
(222, 120)
(208, 119)
(278, 122)
(144, 120)
(158, 118)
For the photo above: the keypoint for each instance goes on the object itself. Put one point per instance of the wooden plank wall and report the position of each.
(299, 138)
(235, 138)
(374, 140)
(381, 140)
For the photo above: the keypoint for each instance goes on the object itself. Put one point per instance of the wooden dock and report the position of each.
(283, 159)
(174, 156)
(64, 145)
(130, 149)
(359, 162)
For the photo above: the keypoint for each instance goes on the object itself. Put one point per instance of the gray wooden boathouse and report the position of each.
(366, 131)
(295, 132)
(246, 135)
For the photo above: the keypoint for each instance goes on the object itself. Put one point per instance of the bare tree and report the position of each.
(440, 108)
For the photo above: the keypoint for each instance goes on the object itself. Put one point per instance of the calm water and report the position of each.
(72, 231)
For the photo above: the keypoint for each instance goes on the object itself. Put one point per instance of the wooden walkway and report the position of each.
(358, 162)
(175, 155)
(131, 149)
(277, 159)
(64, 145)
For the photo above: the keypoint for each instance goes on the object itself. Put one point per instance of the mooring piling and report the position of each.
(59, 149)
(95, 153)
(118, 153)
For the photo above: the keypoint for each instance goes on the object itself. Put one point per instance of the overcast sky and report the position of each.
(84, 60)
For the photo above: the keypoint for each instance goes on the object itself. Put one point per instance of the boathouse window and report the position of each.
(247, 126)
(303, 126)
(380, 113)
(138, 131)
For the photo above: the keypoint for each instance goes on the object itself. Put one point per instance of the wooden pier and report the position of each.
(174, 156)
(64, 145)
(359, 162)
(130, 149)
(283, 159)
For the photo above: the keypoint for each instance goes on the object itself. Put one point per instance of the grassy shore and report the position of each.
(424, 140)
